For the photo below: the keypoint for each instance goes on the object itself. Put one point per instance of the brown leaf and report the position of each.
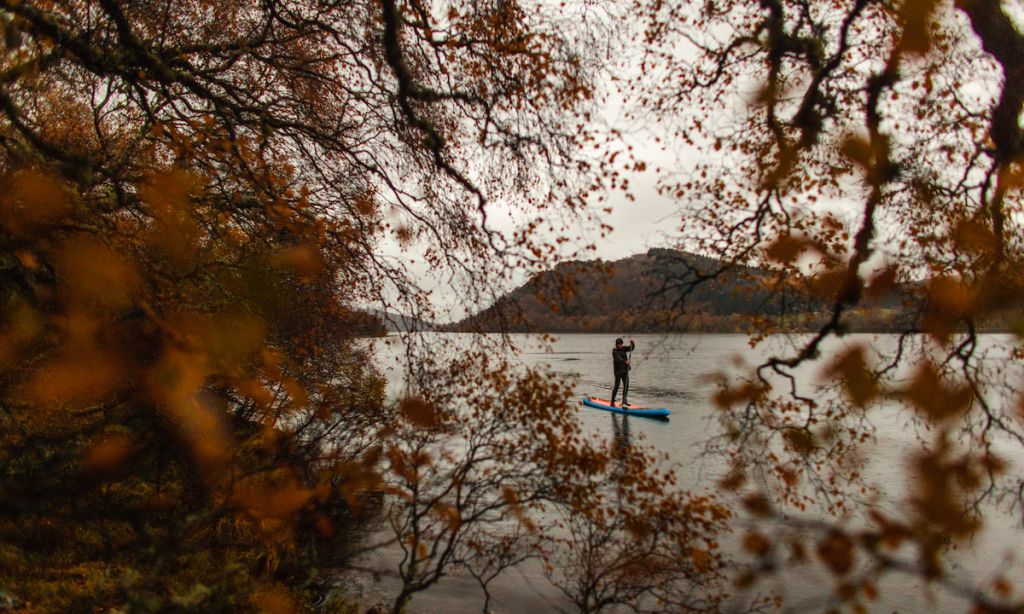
(756, 543)
(858, 151)
(296, 392)
(1002, 587)
(734, 479)
(975, 237)
(858, 381)
(356, 479)
(175, 234)
(419, 412)
(827, 284)
(757, 504)
(950, 301)
(934, 396)
(450, 514)
(324, 526)
(882, 283)
(916, 18)
(800, 440)
(836, 551)
(942, 482)
(797, 552)
(727, 396)
(951, 296)
(231, 340)
(786, 249)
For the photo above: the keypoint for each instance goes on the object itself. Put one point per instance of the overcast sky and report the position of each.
(650, 220)
(638, 224)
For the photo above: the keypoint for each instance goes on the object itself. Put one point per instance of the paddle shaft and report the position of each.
(629, 367)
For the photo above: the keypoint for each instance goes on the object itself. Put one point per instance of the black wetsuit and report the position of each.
(619, 358)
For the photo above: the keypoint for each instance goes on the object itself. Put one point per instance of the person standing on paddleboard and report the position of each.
(620, 365)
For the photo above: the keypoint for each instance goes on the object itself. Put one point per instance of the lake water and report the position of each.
(671, 371)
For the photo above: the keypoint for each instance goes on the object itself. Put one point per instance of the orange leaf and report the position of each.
(175, 384)
(273, 599)
(109, 453)
(81, 377)
(306, 261)
(267, 496)
(91, 273)
(701, 559)
(30, 201)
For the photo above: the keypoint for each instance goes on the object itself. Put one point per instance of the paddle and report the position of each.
(629, 364)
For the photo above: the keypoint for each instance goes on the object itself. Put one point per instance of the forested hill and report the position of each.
(644, 293)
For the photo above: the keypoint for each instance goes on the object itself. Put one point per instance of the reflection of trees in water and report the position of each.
(642, 549)
(620, 433)
(621, 444)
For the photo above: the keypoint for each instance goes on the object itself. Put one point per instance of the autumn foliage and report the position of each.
(875, 150)
(197, 200)
(194, 199)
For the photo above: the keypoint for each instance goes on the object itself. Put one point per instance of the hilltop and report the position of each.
(644, 293)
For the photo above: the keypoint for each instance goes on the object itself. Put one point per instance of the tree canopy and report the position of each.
(197, 201)
(195, 198)
(871, 144)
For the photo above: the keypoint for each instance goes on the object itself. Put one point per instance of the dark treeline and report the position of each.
(667, 290)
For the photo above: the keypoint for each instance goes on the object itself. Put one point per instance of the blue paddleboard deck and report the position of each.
(629, 410)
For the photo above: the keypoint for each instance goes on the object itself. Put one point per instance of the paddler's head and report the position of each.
(618, 342)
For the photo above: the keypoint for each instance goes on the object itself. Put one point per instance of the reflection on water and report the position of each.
(671, 371)
(620, 433)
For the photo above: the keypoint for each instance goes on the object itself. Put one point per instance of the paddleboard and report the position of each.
(630, 409)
